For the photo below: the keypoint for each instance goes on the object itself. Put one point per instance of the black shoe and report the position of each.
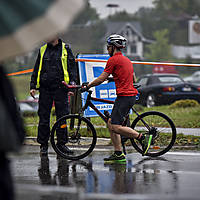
(64, 149)
(43, 150)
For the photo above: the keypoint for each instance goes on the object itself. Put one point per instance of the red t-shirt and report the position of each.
(122, 70)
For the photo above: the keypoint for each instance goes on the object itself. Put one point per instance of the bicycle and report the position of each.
(82, 135)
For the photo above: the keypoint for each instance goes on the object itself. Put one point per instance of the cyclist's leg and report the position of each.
(120, 110)
(117, 156)
(115, 138)
(145, 140)
(125, 131)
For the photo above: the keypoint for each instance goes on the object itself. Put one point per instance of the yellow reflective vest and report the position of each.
(64, 63)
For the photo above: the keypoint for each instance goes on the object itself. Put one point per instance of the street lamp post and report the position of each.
(111, 7)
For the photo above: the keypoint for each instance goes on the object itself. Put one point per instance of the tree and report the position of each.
(177, 7)
(87, 14)
(172, 15)
(121, 16)
(161, 49)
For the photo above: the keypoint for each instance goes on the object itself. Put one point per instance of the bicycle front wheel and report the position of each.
(164, 132)
(80, 136)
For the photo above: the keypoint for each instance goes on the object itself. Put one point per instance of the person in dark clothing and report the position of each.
(12, 134)
(55, 63)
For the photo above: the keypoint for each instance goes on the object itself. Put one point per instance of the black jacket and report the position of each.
(8, 99)
(52, 74)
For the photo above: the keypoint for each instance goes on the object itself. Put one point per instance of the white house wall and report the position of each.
(185, 51)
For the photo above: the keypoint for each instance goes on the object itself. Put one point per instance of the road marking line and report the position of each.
(184, 153)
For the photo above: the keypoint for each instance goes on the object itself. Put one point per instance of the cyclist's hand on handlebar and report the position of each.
(84, 87)
(71, 88)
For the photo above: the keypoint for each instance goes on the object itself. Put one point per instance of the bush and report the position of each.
(29, 114)
(184, 103)
(139, 108)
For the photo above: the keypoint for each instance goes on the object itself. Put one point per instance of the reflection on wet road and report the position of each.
(172, 176)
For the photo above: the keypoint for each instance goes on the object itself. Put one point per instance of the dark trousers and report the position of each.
(46, 98)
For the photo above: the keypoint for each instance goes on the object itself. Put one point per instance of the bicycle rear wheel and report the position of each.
(164, 132)
(80, 134)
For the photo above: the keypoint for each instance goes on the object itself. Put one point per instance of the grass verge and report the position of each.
(182, 117)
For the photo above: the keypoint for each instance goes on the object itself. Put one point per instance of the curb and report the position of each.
(102, 142)
(33, 141)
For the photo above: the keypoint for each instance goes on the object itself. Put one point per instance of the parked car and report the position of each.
(30, 105)
(25, 107)
(194, 78)
(161, 89)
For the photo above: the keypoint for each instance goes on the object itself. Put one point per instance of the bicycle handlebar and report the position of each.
(76, 87)
(84, 89)
(71, 86)
(136, 85)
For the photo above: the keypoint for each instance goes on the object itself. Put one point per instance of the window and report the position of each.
(143, 81)
(170, 79)
(133, 48)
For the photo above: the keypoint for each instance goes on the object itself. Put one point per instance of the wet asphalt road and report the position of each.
(176, 175)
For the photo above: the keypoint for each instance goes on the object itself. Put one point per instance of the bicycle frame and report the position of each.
(78, 121)
(90, 104)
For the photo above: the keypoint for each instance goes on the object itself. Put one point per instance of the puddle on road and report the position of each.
(51, 178)
(142, 177)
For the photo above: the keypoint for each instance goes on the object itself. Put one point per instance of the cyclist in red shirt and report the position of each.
(122, 71)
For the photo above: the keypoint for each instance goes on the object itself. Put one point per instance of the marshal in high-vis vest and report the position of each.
(55, 63)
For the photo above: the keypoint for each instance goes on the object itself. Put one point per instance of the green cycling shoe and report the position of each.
(114, 158)
(145, 143)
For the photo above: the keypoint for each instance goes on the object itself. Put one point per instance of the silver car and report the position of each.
(194, 78)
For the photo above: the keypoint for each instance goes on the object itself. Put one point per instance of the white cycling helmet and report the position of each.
(117, 40)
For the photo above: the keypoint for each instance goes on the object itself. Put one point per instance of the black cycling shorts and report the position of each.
(122, 106)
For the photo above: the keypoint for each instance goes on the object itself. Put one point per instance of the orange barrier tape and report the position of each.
(89, 60)
(133, 62)
(144, 63)
(20, 72)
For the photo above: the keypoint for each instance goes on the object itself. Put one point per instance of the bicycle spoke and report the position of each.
(164, 133)
(80, 136)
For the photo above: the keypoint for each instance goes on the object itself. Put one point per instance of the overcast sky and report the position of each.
(131, 6)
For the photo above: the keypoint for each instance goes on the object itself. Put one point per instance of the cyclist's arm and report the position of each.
(98, 80)
(134, 78)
